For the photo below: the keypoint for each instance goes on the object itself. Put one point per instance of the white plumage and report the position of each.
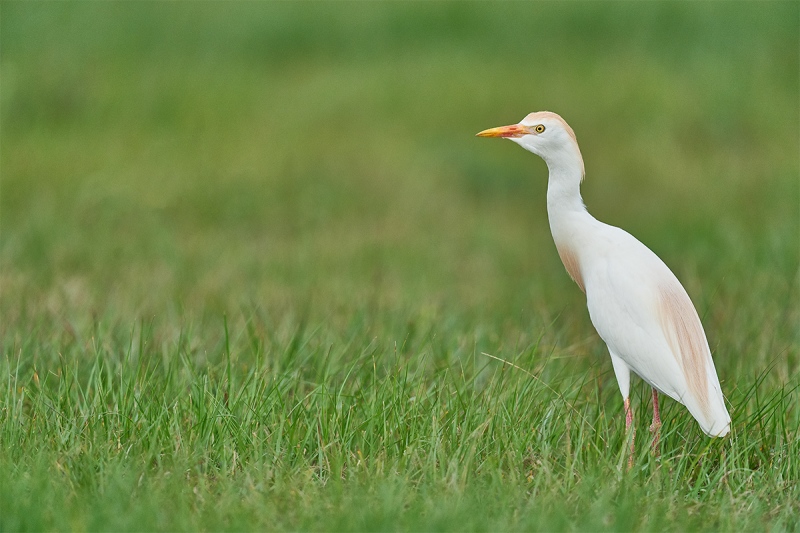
(635, 302)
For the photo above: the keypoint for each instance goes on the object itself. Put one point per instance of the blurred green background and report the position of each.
(200, 156)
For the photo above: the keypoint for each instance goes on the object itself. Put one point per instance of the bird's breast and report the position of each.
(571, 263)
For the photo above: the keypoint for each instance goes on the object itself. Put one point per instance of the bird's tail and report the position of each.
(713, 417)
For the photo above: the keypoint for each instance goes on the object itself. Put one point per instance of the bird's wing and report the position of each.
(623, 308)
(644, 314)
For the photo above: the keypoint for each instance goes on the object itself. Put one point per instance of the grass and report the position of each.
(252, 260)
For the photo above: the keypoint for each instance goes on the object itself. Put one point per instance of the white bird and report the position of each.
(637, 305)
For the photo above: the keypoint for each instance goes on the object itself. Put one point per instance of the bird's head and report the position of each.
(545, 134)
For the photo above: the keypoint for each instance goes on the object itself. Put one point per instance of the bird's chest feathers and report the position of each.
(571, 262)
(569, 234)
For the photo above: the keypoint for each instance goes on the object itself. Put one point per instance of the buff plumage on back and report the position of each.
(684, 334)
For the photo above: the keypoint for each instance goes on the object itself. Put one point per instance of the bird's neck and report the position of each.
(564, 188)
(570, 223)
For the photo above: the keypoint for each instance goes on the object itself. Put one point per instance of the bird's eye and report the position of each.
(539, 128)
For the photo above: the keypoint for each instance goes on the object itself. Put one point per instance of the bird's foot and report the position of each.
(655, 429)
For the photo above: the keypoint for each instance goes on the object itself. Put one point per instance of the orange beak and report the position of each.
(515, 130)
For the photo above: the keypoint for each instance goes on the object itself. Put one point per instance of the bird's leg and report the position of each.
(655, 427)
(628, 424)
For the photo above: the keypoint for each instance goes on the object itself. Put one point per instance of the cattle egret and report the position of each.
(637, 305)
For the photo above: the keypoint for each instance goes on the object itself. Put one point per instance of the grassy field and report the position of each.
(252, 258)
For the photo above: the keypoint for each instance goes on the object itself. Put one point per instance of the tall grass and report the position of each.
(308, 430)
(256, 272)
